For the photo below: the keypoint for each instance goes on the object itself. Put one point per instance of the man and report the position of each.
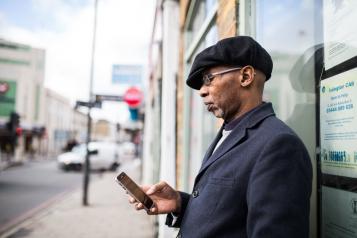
(255, 179)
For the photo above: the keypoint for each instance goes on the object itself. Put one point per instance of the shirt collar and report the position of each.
(231, 125)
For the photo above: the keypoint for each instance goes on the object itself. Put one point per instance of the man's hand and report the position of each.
(166, 199)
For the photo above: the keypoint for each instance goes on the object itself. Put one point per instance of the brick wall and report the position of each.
(227, 18)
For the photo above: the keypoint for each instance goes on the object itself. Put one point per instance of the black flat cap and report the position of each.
(233, 51)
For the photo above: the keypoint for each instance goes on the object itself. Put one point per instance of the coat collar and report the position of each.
(253, 117)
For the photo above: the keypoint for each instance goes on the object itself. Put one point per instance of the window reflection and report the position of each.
(292, 33)
(201, 10)
(293, 43)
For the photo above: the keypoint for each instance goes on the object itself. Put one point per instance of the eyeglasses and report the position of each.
(208, 78)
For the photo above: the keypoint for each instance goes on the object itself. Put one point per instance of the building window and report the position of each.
(199, 125)
(315, 62)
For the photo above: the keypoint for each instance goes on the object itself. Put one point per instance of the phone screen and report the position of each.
(134, 190)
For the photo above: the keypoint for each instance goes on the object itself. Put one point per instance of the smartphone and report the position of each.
(134, 190)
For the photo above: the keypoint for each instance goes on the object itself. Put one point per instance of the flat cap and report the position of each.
(234, 51)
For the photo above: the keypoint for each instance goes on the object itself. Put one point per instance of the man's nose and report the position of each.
(203, 91)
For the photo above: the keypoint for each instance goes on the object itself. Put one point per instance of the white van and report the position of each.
(104, 156)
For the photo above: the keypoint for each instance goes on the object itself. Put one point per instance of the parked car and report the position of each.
(103, 156)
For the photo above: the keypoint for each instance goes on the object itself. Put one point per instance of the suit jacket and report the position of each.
(257, 183)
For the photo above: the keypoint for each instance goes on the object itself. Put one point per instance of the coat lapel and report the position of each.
(235, 137)
(226, 145)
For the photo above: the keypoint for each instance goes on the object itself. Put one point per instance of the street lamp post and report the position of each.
(89, 121)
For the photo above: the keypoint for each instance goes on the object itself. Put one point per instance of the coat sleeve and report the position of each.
(185, 197)
(278, 194)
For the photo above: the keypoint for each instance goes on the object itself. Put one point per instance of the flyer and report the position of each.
(339, 17)
(338, 121)
(339, 213)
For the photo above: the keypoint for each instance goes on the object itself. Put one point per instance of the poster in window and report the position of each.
(340, 36)
(338, 118)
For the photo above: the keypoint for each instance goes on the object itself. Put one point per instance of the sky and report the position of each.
(64, 29)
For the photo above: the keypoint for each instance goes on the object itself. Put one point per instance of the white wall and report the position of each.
(168, 116)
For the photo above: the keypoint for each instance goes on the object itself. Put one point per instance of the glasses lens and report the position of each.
(206, 80)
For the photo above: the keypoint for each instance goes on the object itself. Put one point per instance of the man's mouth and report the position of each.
(210, 107)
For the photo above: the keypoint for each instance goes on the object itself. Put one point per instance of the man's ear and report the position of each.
(247, 76)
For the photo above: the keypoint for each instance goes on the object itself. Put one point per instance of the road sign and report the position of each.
(116, 98)
(133, 97)
(96, 104)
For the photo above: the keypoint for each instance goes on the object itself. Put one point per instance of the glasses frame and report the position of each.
(208, 78)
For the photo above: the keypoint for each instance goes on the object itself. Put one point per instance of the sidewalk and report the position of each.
(109, 214)
(6, 163)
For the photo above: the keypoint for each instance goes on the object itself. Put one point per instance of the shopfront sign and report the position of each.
(7, 97)
(4, 87)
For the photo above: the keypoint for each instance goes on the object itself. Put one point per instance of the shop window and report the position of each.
(199, 11)
(313, 89)
(200, 126)
(338, 120)
(291, 31)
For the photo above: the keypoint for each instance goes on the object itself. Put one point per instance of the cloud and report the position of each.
(123, 35)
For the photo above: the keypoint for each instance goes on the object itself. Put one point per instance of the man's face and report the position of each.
(221, 96)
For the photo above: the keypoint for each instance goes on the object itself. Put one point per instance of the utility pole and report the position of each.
(89, 121)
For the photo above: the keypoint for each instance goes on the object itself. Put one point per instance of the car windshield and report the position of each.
(80, 149)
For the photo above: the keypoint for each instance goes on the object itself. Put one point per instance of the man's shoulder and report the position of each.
(277, 130)
(263, 125)
(277, 125)
(273, 127)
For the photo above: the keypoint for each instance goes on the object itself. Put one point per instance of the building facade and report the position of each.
(313, 90)
(47, 119)
(22, 73)
(63, 123)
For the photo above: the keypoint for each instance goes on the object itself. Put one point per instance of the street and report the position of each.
(27, 188)
(109, 213)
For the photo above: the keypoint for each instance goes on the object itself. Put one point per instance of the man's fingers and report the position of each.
(145, 187)
(156, 187)
(139, 206)
(152, 211)
(132, 200)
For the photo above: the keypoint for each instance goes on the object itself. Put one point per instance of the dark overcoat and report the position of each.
(256, 184)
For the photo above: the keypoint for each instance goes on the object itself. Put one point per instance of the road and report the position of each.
(27, 188)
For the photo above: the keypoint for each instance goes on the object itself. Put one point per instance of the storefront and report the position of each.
(313, 89)
(313, 45)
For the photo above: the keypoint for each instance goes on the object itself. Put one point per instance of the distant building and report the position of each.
(79, 125)
(63, 123)
(22, 81)
(314, 49)
(103, 130)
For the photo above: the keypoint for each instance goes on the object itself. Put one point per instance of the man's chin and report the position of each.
(217, 114)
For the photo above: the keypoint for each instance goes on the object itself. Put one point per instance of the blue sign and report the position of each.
(134, 114)
(127, 74)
